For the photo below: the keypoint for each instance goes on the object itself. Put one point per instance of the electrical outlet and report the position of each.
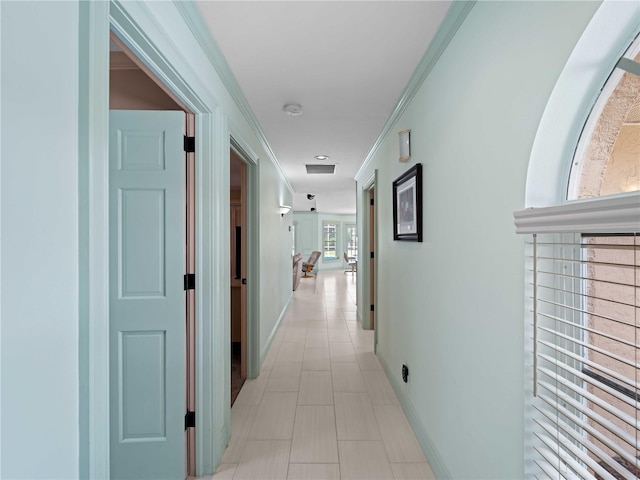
(405, 373)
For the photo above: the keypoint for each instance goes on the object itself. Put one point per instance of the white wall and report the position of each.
(39, 240)
(451, 308)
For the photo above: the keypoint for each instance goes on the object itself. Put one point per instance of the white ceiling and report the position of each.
(346, 62)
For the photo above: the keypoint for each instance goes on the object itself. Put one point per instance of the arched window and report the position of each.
(583, 292)
(607, 160)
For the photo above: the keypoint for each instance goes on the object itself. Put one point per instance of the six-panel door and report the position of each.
(147, 306)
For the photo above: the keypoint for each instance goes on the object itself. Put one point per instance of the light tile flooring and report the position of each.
(322, 407)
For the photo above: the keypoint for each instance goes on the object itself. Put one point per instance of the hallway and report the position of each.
(322, 407)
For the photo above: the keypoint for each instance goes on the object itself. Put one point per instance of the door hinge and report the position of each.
(190, 281)
(244, 281)
(189, 144)
(372, 308)
(372, 254)
(371, 202)
(190, 420)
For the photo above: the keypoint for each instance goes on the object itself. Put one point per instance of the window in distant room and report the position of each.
(293, 240)
(329, 241)
(352, 241)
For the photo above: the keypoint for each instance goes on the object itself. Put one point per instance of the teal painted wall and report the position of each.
(451, 307)
(275, 253)
(306, 233)
(39, 228)
(39, 240)
(309, 236)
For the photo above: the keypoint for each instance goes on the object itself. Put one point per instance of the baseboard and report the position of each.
(428, 447)
(267, 345)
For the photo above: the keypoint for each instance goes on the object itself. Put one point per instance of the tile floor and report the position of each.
(322, 407)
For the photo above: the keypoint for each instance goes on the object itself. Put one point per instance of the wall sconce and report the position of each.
(404, 142)
(284, 209)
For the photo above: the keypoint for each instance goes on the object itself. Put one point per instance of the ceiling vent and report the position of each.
(315, 169)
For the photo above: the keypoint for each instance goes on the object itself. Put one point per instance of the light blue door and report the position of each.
(147, 301)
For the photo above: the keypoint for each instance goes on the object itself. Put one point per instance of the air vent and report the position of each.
(320, 168)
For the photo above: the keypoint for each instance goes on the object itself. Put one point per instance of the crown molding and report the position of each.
(455, 16)
(193, 18)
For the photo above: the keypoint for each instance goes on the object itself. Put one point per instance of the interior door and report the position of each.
(243, 272)
(147, 298)
(372, 262)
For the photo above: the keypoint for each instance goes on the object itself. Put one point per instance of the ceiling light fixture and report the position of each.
(321, 157)
(292, 109)
(404, 141)
(284, 209)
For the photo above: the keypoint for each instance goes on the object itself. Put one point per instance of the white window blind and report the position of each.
(583, 413)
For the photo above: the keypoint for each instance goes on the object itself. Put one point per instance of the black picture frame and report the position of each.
(407, 205)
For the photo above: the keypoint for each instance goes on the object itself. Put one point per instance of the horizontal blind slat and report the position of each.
(596, 417)
(564, 459)
(583, 295)
(570, 451)
(588, 329)
(621, 378)
(593, 398)
(580, 311)
(549, 465)
(590, 347)
(617, 448)
(601, 420)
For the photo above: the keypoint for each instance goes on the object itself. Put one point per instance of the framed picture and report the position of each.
(407, 205)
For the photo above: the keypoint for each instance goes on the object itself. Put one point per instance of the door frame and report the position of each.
(189, 258)
(96, 19)
(252, 264)
(369, 296)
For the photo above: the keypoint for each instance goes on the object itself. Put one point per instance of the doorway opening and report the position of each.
(372, 262)
(238, 250)
(133, 88)
(367, 282)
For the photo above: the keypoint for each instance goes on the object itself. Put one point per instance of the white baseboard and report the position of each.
(428, 447)
(267, 346)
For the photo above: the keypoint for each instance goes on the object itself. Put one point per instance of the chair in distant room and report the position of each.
(297, 269)
(307, 266)
(352, 262)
